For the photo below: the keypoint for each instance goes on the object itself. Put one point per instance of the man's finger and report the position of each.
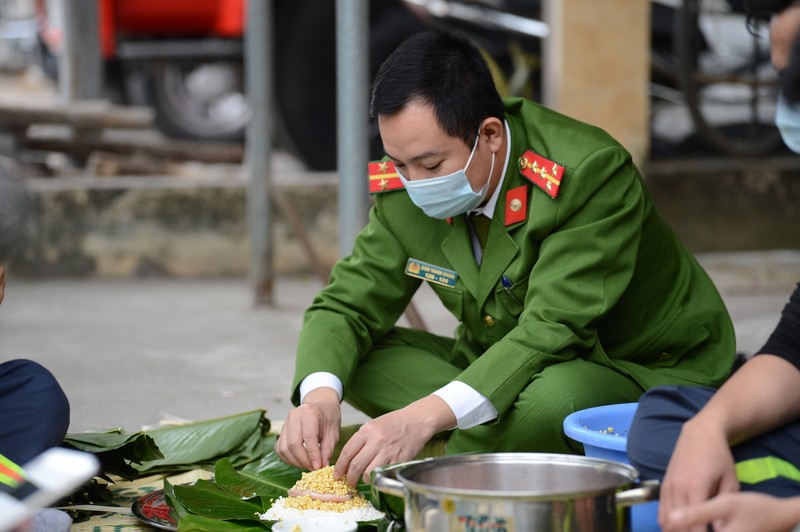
(697, 516)
(344, 465)
(327, 446)
(294, 444)
(311, 446)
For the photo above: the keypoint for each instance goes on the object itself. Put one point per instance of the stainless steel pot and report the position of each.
(505, 492)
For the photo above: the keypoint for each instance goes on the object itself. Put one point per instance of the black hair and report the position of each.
(760, 11)
(443, 70)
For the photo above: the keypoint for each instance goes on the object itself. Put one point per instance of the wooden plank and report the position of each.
(81, 115)
(172, 149)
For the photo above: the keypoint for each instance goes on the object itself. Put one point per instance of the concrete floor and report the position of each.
(130, 353)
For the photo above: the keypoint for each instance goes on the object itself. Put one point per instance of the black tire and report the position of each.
(305, 83)
(220, 113)
(754, 136)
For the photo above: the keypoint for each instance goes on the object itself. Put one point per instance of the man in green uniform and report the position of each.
(537, 233)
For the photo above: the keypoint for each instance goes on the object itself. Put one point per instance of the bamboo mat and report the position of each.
(124, 495)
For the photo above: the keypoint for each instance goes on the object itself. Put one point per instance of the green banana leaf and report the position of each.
(206, 499)
(196, 443)
(271, 480)
(264, 480)
(117, 450)
(241, 438)
(248, 474)
(257, 445)
(195, 523)
(169, 495)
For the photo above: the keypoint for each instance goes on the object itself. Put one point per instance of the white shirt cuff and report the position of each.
(470, 407)
(320, 379)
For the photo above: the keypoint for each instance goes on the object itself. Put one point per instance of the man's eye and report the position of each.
(434, 167)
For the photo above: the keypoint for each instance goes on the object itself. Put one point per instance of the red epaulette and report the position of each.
(383, 177)
(543, 172)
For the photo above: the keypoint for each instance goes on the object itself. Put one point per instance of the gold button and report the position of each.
(515, 205)
(664, 356)
(488, 321)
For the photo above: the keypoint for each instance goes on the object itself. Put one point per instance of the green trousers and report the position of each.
(409, 364)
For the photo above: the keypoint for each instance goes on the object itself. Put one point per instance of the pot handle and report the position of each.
(646, 490)
(384, 479)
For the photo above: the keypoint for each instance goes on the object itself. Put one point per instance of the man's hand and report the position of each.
(701, 467)
(311, 430)
(2, 283)
(394, 437)
(737, 512)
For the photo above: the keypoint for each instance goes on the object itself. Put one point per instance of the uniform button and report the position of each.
(664, 356)
(488, 321)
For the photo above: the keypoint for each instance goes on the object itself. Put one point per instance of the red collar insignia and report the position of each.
(516, 205)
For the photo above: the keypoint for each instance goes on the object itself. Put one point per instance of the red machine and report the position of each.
(184, 58)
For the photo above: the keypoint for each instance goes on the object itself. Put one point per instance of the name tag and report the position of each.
(431, 273)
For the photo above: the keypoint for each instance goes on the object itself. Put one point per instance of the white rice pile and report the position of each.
(279, 512)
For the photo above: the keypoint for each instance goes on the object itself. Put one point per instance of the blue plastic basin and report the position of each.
(603, 431)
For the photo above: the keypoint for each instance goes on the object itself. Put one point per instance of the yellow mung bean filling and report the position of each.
(321, 481)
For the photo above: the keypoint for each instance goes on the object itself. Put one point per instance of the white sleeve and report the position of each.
(470, 407)
(320, 379)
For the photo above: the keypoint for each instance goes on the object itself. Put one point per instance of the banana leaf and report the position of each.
(169, 495)
(195, 523)
(117, 450)
(264, 480)
(269, 478)
(256, 446)
(201, 442)
(259, 483)
(206, 499)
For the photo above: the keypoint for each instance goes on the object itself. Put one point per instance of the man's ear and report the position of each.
(493, 129)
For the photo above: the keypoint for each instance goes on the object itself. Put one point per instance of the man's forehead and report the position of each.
(414, 134)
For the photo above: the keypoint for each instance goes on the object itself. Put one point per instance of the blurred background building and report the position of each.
(152, 182)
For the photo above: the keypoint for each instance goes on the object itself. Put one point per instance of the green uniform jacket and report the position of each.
(597, 273)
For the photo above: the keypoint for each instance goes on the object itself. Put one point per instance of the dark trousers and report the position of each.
(34, 412)
(657, 425)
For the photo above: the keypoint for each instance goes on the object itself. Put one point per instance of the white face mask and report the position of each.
(787, 118)
(448, 195)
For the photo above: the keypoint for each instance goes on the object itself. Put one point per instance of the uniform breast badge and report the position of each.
(544, 173)
(431, 273)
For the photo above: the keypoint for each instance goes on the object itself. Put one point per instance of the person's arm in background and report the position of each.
(762, 395)
(702, 465)
(739, 512)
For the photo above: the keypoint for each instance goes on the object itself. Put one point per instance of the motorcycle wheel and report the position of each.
(201, 100)
(730, 92)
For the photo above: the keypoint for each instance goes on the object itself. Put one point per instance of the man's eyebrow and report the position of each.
(416, 158)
